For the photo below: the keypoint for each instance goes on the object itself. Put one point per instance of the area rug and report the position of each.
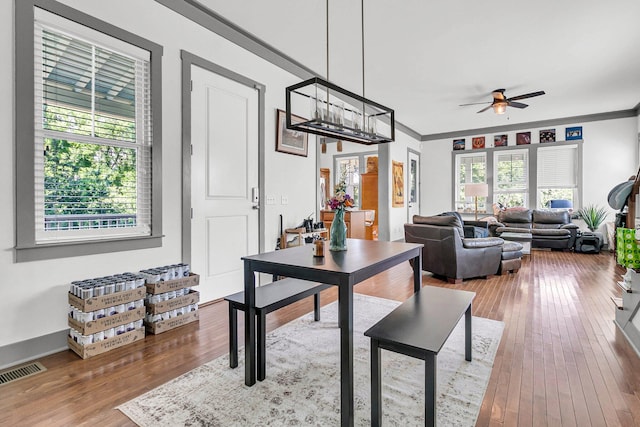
(303, 379)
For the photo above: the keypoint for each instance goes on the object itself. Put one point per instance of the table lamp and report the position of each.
(476, 190)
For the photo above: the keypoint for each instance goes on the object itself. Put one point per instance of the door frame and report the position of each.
(188, 60)
(418, 180)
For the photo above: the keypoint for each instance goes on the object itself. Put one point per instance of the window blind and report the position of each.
(92, 137)
(557, 167)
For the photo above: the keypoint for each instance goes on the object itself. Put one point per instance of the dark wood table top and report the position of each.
(360, 254)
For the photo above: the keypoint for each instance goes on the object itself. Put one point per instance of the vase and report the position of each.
(338, 235)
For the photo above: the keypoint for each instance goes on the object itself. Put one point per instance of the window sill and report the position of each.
(66, 250)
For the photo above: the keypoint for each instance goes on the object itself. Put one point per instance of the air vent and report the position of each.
(18, 372)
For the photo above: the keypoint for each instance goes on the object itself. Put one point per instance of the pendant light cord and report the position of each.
(327, 13)
(362, 20)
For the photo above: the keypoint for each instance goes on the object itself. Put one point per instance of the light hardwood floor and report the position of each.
(561, 360)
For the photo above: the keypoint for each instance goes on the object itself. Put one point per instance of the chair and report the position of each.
(447, 253)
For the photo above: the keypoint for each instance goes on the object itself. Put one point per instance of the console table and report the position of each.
(364, 259)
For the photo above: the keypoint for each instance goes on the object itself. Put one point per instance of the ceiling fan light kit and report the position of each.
(335, 112)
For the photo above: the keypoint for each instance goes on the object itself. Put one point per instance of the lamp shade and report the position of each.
(476, 190)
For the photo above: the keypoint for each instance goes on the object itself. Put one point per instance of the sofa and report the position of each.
(549, 229)
(448, 254)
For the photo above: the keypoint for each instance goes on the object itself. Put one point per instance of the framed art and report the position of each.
(573, 133)
(477, 142)
(458, 144)
(500, 140)
(290, 141)
(397, 201)
(523, 138)
(548, 135)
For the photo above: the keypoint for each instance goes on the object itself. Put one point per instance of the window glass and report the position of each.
(92, 138)
(557, 175)
(511, 169)
(470, 169)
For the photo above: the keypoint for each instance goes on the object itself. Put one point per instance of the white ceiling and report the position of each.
(424, 58)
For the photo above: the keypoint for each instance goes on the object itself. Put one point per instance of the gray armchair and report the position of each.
(446, 253)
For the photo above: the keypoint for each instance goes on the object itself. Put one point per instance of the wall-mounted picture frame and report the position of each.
(573, 133)
(290, 141)
(500, 140)
(397, 172)
(458, 144)
(477, 142)
(523, 138)
(548, 135)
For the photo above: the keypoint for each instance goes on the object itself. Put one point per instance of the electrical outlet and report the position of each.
(271, 200)
(284, 200)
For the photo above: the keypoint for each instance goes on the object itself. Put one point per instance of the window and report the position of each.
(511, 183)
(88, 146)
(557, 174)
(469, 169)
(349, 169)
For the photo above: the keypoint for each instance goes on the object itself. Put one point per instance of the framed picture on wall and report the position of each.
(397, 201)
(290, 141)
(500, 140)
(573, 133)
(458, 144)
(477, 142)
(548, 135)
(523, 138)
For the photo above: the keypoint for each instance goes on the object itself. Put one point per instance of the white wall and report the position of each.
(34, 294)
(610, 154)
(398, 152)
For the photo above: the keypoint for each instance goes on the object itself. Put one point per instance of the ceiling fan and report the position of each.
(500, 102)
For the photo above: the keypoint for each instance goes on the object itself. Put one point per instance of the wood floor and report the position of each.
(561, 360)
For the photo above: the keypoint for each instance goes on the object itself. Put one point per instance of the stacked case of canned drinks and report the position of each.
(102, 286)
(161, 274)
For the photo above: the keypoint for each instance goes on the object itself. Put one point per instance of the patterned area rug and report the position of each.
(303, 379)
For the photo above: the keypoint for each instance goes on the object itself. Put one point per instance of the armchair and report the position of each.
(447, 253)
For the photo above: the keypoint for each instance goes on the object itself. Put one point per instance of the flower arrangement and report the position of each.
(340, 199)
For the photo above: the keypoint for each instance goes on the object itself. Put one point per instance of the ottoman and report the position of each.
(511, 260)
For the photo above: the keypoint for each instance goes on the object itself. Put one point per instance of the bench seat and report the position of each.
(419, 327)
(269, 298)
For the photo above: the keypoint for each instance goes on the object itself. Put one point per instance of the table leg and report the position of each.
(249, 325)
(376, 385)
(417, 272)
(345, 311)
(233, 336)
(430, 392)
(467, 334)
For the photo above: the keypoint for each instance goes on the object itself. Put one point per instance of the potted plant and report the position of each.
(593, 216)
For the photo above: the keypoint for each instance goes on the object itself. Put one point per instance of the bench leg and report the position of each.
(233, 336)
(316, 307)
(261, 330)
(430, 385)
(376, 385)
(467, 334)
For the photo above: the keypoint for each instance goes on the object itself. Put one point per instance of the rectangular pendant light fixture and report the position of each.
(337, 113)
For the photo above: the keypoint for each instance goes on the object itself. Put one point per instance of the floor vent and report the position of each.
(18, 372)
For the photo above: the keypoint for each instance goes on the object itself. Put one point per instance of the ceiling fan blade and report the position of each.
(474, 103)
(516, 104)
(527, 95)
(485, 108)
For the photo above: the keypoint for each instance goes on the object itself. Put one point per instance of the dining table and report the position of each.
(362, 259)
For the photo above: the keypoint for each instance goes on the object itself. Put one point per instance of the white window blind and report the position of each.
(557, 167)
(92, 134)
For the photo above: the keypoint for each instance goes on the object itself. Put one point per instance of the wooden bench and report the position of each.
(269, 298)
(419, 327)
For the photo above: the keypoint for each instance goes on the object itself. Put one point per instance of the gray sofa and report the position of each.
(549, 229)
(448, 254)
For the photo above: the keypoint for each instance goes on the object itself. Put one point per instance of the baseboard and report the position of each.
(24, 351)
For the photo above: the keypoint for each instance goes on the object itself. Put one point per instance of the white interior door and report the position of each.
(413, 186)
(224, 181)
